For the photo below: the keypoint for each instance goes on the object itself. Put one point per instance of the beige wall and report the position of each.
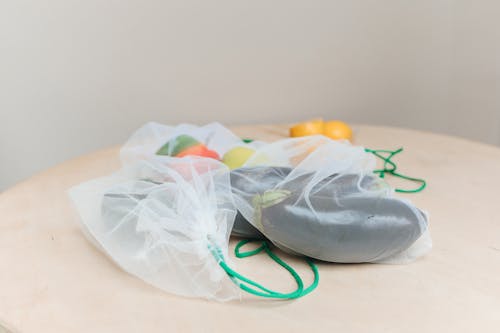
(76, 76)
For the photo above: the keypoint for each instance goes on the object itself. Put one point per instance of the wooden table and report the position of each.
(53, 280)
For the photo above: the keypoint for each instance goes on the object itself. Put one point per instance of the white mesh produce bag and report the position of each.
(145, 143)
(320, 198)
(162, 222)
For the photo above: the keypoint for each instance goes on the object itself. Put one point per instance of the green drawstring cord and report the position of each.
(392, 171)
(262, 291)
(265, 247)
(390, 168)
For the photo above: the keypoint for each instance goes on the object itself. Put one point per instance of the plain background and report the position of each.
(76, 76)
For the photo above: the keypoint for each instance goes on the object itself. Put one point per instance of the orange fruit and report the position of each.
(337, 130)
(198, 150)
(311, 127)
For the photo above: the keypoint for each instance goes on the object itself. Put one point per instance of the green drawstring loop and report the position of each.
(245, 283)
(265, 247)
(390, 167)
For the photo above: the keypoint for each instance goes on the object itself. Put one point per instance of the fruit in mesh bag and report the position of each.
(237, 156)
(186, 145)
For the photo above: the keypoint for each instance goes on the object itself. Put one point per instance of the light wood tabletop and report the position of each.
(53, 280)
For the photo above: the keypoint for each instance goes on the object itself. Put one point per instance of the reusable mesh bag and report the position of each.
(320, 198)
(167, 223)
(146, 142)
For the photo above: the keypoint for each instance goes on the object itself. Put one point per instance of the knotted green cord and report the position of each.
(243, 282)
(392, 169)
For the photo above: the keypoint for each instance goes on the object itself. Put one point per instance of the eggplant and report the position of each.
(258, 183)
(257, 180)
(341, 220)
(243, 228)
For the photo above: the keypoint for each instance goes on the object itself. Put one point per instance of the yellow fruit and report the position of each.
(337, 130)
(236, 157)
(311, 127)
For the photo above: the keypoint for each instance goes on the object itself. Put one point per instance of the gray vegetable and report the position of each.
(341, 223)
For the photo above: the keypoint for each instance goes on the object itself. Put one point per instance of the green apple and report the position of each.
(176, 145)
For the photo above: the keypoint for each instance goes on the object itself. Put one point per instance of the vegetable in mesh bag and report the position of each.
(325, 202)
(163, 223)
